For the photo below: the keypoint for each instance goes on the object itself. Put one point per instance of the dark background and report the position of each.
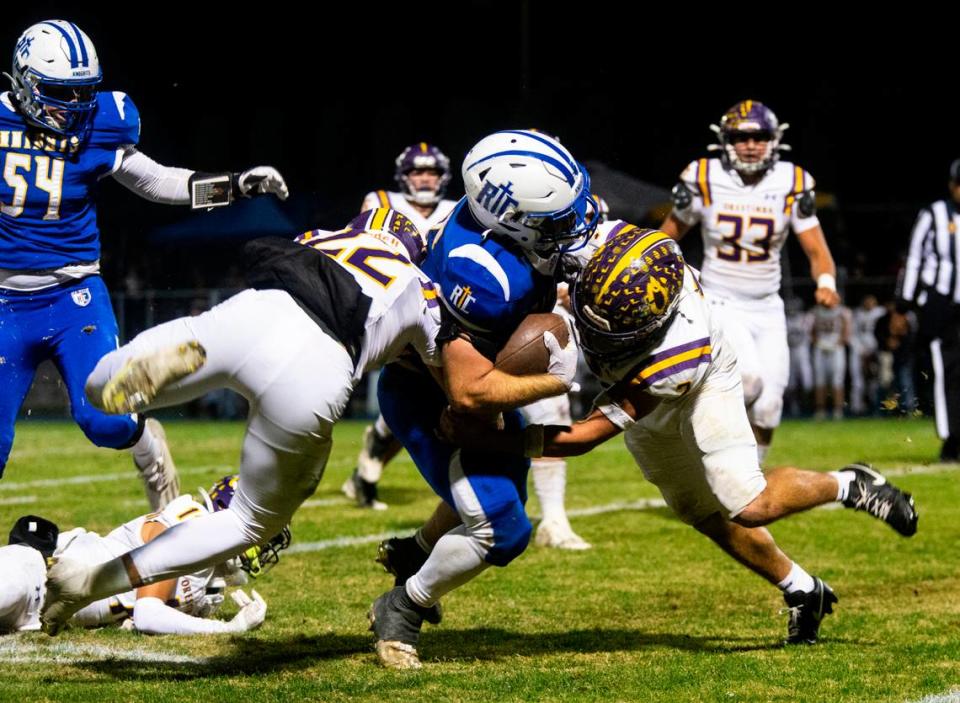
(331, 95)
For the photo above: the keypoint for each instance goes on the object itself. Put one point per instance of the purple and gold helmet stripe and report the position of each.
(382, 197)
(703, 181)
(423, 147)
(378, 218)
(633, 252)
(674, 360)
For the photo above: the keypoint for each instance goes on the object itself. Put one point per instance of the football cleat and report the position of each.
(403, 557)
(555, 534)
(396, 621)
(135, 385)
(871, 493)
(806, 612)
(68, 590)
(160, 480)
(363, 492)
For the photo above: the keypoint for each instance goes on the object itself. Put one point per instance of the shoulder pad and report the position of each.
(807, 204)
(117, 122)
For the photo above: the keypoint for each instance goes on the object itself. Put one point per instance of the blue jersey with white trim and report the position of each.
(486, 284)
(48, 214)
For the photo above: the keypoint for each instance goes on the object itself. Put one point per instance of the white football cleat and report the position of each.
(555, 534)
(68, 590)
(160, 480)
(135, 385)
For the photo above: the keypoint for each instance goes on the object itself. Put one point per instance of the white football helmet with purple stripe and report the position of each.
(527, 186)
(55, 77)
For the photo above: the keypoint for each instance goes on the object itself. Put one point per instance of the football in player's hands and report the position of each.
(525, 353)
(262, 179)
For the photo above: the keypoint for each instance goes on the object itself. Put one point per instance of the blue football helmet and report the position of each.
(527, 186)
(55, 76)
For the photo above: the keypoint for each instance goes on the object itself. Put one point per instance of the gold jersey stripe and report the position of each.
(672, 361)
(634, 251)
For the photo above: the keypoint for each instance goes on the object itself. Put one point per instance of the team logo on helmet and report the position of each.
(391, 222)
(628, 290)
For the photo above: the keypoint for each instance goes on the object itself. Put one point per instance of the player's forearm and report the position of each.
(153, 617)
(496, 391)
(153, 181)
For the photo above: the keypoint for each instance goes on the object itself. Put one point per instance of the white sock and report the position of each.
(147, 450)
(380, 427)
(762, 451)
(456, 558)
(550, 485)
(797, 580)
(844, 479)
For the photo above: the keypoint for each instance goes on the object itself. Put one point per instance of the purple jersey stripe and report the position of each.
(673, 351)
(676, 368)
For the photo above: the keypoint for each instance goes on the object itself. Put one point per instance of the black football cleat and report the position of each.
(403, 557)
(871, 493)
(396, 621)
(807, 611)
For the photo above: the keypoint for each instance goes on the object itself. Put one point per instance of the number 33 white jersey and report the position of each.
(744, 227)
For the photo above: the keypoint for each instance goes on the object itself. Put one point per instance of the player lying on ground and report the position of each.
(673, 387)
(61, 136)
(182, 606)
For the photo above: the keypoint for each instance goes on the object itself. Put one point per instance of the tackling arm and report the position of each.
(674, 228)
(822, 268)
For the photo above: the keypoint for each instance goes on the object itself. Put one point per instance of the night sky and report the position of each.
(330, 99)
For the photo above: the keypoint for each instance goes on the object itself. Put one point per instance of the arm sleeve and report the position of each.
(918, 243)
(153, 181)
(153, 617)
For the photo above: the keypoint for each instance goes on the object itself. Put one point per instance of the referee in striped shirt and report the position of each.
(931, 282)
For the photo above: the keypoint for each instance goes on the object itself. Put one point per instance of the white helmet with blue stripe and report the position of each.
(55, 77)
(527, 186)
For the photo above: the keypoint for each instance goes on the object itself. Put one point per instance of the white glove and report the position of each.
(262, 179)
(252, 612)
(563, 362)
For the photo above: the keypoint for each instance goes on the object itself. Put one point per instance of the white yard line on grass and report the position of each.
(98, 478)
(14, 652)
(18, 500)
(948, 697)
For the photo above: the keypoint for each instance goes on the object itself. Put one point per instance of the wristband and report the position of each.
(826, 280)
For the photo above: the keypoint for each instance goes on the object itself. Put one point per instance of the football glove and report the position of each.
(563, 361)
(253, 611)
(262, 179)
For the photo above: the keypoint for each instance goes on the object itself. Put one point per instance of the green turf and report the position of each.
(653, 613)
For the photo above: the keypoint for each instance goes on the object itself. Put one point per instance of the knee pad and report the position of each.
(113, 431)
(511, 533)
(767, 411)
(752, 388)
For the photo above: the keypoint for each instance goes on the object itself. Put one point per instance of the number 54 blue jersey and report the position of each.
(48, 215)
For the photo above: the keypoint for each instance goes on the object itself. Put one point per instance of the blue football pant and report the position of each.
(72, 325)
(487, 489)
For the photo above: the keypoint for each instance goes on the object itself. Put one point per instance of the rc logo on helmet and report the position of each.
(496, 198)
(461, 297)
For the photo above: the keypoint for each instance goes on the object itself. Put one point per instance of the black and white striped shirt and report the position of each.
(932, 262)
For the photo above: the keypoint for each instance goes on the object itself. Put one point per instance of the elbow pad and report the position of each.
(681, 196)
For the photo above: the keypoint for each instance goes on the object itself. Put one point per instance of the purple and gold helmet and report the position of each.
(391, 222)
(259, 559)
(749, 118)
(627, 293)
(422, 155)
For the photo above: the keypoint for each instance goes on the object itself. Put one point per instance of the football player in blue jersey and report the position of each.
(59, 136)
(493, 262)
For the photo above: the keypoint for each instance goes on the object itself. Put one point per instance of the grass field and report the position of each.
(653, 613)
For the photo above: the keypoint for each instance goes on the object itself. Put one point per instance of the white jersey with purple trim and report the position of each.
(681, 362)
(23, 576)
(190, 595)
(744, 227)
(397, 201)
(404, 309)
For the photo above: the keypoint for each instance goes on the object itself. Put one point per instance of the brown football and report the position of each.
(525, 353)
